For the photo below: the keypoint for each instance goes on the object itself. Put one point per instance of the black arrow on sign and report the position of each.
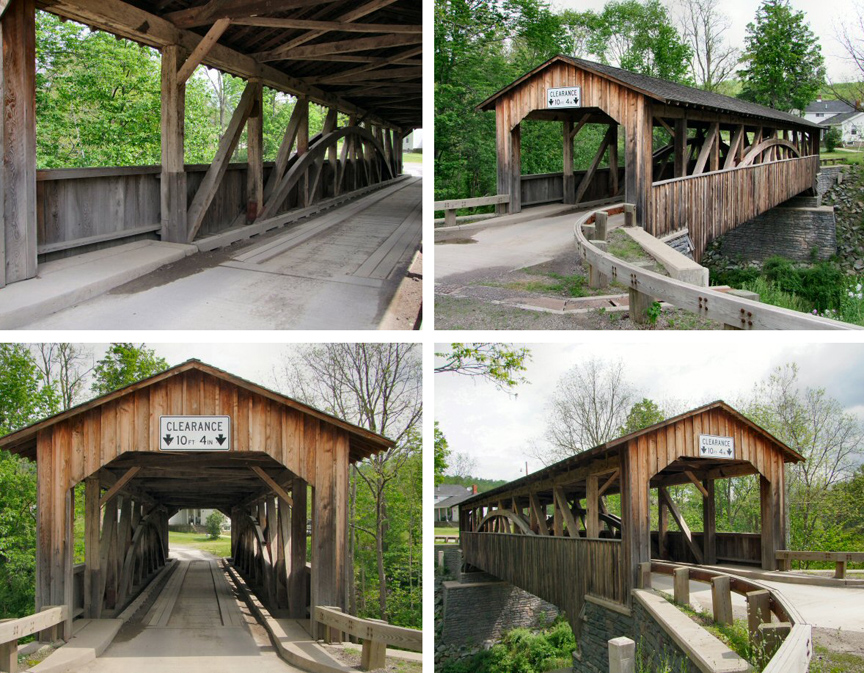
(550, 102)
(168, 439)
(221, 439)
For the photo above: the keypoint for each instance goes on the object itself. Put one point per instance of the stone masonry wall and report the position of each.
(790, 232)
(827, 178)
(483, 611)
(452, 559)
(601, 624)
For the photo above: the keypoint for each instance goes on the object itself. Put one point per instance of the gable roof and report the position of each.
(364, 443)
(836, 120)
(453, 500)
(601, 450)
(832, 106)
(660, 90)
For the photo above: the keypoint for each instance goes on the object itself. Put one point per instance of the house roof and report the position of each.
(832, 106)
(453, 500)
(363, 443)
(450, 490)
(838, 119)
(661, 90)
(586, 457)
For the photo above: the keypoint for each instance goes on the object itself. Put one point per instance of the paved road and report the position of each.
(330, 272)
(191, 636)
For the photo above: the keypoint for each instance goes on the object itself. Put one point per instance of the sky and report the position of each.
(495, 428)
(822, 15)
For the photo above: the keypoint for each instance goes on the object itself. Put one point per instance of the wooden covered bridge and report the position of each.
(553, 533)
(357, 58)
(192, 437)
(692, 159)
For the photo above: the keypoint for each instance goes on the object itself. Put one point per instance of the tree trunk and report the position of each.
(379, 551)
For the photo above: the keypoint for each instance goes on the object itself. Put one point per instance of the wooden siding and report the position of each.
(549, 187)
(712, 204)
(743, 548)
(560, 570)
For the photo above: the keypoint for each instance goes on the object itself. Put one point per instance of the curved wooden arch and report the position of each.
(317, 151)
(767, 144)
(147, 532)
(517, 521)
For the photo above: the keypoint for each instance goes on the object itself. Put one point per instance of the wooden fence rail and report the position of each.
(712, 204)
(794, 652)
(839, 558)
(376, 635)
(13, 629)
(736, 312)
(450, 207)
(561, 570)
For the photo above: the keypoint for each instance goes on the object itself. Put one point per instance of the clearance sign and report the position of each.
(569, 96)
(194, 433)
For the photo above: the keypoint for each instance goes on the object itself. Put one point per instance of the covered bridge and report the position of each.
(553, 534)
(357, 58)
(692, 159)
(193, 436)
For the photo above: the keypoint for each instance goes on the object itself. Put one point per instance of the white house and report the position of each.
(820, 110)
(851, 125)
(190, 517)
(447, 500)
(413, 141)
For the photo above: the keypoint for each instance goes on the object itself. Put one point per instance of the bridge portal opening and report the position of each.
(276, 467)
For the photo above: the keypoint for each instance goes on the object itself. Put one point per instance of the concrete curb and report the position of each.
(89, 642)
(70, 281)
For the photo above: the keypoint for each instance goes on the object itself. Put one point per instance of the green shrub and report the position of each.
(832, 138)
(821, 285)
(214, 525)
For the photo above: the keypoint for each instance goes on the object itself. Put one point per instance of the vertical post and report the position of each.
(18, 140)
(516, 169)
(557, 519)
(601, 225)
(173, 182)
(758, 612)
(768, 513)
(645, 575)
(91, 544)
(9, 654)
(681, 584)
(302, 148)
(721, 599)
(622, 655)
(255, 154)
(68, 551)
(680, 148)
(568, 179)
(399, 140)
(662, 528)
(613, 160)
(297, 574)
(592, 502)
(638, 157)
(709, 525)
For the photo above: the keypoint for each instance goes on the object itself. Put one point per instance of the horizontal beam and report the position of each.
(341, 47)
(230, 9)
(340, 26)
(13, 629)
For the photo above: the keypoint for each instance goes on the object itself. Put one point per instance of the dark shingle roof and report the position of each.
(836, 120)
(832, 106)
(447, 490)
(453, 500)
(668, 92)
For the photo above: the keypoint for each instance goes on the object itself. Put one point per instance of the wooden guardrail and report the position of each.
(786, 645)
(375, 634)
(13, 629)
(839, 558)
(644, 286)
(450, 207)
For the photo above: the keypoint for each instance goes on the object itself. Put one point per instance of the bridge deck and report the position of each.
(195, 624)
(339, 270)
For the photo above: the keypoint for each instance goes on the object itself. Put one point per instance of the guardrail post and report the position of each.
(622, 655)
(374, 654)
(771, 637)
(441, 558)
(681, 580)
(450, 217)
(9, 654)
(601, 218)
(629, 215)
(639, 303)
(840, 570)
(645, 575)
(721, 599)
(758, 612)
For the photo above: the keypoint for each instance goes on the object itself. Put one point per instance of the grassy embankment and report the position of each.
(219, 548)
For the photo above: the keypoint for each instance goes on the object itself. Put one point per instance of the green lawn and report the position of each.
(825, 661)
(219, 548)
(845, 157)
(412, 158)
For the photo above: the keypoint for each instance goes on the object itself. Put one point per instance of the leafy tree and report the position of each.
(642, 415)
(24, 397)
(442, 452)
(497, 363)
(832, 139)
(125, 363)
(639, 36)
(784, 65)
(214, 524)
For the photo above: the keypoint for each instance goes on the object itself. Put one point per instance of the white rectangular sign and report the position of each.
(568, 96)
(711, 446)
(194, 433)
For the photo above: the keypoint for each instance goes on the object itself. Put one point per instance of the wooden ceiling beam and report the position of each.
(372, 74)
(234, 9)
(277, 489)
(324, 26)
(212, 37)
(118, 485)
(403, 58)
(340, 47)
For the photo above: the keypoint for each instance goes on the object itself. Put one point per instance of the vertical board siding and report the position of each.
(549, 187)
(712, 204)
(560, 570)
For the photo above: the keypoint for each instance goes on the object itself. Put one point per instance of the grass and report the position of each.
(555, 283)
(220, 547)
(624, 247)
(844, 157)
(412, 158)
(825, 661)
